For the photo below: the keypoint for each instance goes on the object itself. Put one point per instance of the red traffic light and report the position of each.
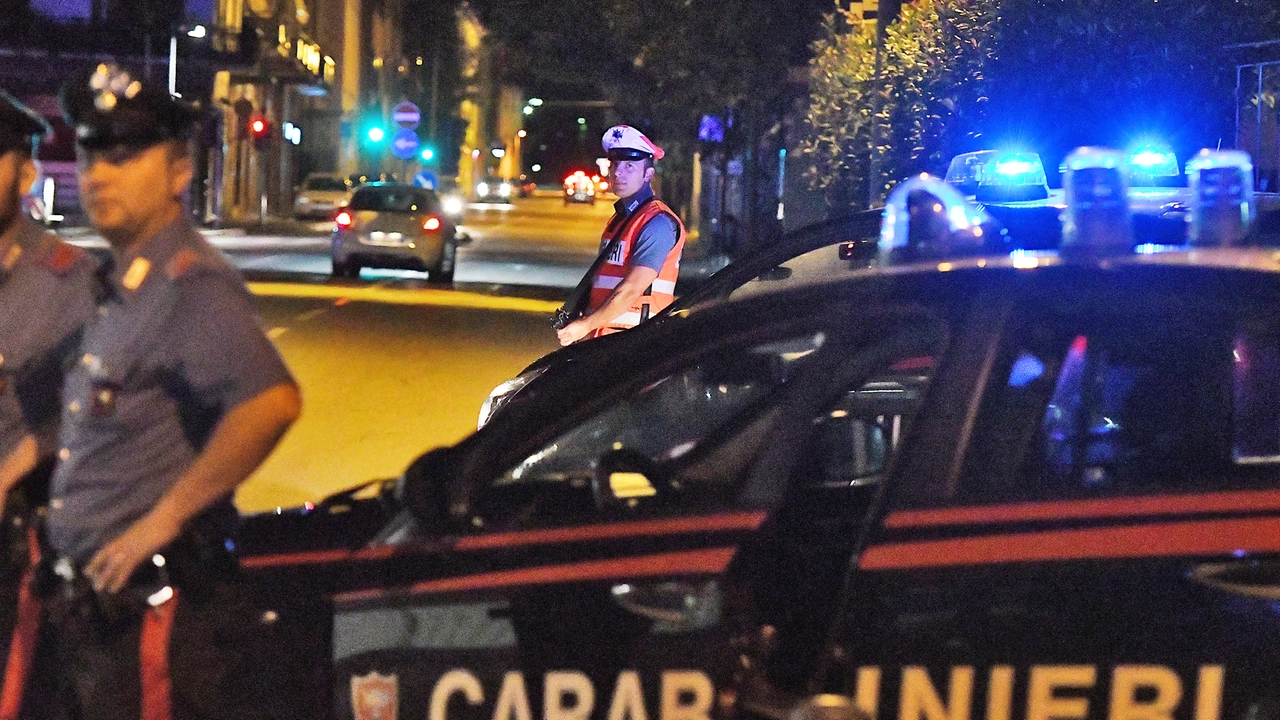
(258, 126)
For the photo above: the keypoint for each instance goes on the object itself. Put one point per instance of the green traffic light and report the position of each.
(376, 134)
(427, 154)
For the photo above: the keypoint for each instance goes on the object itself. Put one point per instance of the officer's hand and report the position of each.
(111, 568)
(573, 332)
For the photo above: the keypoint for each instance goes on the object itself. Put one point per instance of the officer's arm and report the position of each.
(239, 444)
(620, 300)
(20, 461)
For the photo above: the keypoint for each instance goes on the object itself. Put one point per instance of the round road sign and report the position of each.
(406, 115)
(404, 144)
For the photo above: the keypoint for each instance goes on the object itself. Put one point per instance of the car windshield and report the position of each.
(332, 184)
(394, 200)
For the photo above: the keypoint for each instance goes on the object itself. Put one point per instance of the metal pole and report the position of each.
(173, 64)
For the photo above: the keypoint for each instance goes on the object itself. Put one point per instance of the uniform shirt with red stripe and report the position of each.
(47, 294)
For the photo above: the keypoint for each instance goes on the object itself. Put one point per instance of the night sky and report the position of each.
(71, 9)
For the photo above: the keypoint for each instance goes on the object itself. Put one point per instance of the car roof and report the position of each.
(590, 381)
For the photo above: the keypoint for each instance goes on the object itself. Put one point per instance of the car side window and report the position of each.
(637, 451)
(854, 439)
(1115, 406)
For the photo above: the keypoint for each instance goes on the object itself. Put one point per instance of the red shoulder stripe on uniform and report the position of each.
(62, 258)
(181, 262)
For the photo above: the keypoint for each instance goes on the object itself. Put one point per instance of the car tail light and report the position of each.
(432, 224)
(343, 220)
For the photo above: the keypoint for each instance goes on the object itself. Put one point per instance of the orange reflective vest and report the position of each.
(658, 295)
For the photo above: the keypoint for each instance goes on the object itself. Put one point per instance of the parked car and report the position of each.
(320, 195)
(396, 226)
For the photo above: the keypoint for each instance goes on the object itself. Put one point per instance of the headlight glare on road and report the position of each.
(502, 394)
(452, 205)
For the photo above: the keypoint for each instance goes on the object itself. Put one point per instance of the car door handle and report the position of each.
(1250, 578)
(682, 604)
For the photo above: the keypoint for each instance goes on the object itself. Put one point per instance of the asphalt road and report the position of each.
(391, 365)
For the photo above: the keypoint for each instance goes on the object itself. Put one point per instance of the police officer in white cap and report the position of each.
(636, 277)
(47, 293)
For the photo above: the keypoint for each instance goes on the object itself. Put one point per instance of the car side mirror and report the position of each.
(775, 273)
(426, 491)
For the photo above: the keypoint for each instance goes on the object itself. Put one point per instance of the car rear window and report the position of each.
(325, 184)
(393, 200)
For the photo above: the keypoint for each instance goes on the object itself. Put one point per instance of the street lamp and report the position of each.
(197, 32)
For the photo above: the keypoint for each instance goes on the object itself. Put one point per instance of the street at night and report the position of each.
(392, 365)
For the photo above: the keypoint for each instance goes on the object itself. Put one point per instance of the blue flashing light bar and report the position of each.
(995, 176)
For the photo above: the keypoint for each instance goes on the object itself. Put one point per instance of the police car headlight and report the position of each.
(927, 219)
(502, 394)
(504, 189)
(482, 189)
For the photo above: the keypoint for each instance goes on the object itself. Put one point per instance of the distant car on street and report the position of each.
(525, 186)
(493, 189)
(393, 225)
(578, 188)
(320, 195)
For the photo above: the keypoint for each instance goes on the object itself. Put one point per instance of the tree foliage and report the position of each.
(662, 63)
(1047, 75)
(931, 95)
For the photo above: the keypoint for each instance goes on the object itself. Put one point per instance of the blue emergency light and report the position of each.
(996, 176)
(1096, 222)
(1222, 206)
(926, 218)
(1152, 166)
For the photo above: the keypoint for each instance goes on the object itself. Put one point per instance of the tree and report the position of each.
(929, 98)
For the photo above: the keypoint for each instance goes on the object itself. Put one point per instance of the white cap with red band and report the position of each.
(623, 142)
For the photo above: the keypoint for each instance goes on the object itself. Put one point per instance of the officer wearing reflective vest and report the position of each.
(176, 397)
(644, 240)
(47, 293)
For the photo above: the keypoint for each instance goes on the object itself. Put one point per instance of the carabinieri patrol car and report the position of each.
(956, 485)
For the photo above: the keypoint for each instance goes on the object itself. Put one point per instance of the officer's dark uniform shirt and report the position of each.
(656, 238)
(47, 293)
(174, 346)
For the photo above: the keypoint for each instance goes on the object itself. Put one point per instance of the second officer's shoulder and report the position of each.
(61, 258)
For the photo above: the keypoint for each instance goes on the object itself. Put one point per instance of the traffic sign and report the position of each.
(404, 144)
(406, 115)
(426, 179)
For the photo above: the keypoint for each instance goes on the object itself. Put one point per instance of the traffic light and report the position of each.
(376, 134)
(428, 154)
(259, 131)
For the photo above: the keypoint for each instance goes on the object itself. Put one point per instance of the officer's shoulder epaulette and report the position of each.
(58, 256)
(183, 263)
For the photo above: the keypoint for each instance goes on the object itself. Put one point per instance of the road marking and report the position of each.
(403, 296)
(311, 314)
(276, 332)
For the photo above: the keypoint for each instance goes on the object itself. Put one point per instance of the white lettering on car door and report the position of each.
(921, 701)
(686, 695)
(568, 695)
(454, 681)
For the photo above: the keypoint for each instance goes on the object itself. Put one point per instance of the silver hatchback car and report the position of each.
(393, 225)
